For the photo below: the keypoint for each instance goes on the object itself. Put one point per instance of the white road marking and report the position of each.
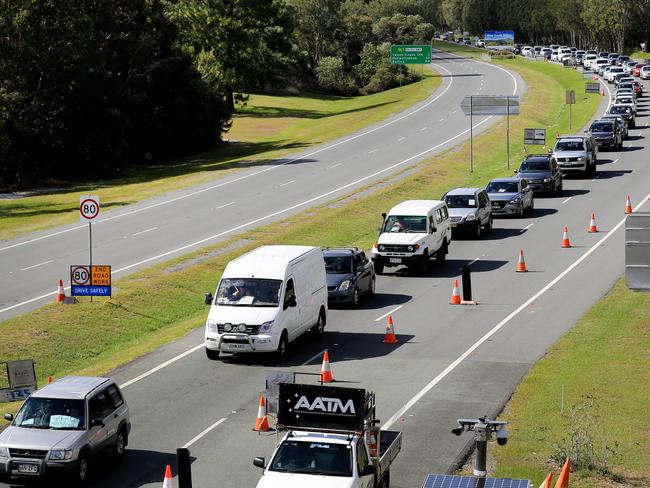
(372, 151)
(595, 178)
(566, 200)
(225, 205)
(206, 431)
(473, 261)
(423, 129)
(162, 365)
(388, 313)
(234, 180)
(143, 231)
(500, 325)
(401, 139)
(315, 356)
(454, 112)
(37, 265)
(615, 161)
(288, 183)
(528, 227)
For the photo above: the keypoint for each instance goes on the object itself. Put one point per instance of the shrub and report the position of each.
(331, 75)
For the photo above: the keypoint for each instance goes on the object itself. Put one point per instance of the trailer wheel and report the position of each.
(385, 481)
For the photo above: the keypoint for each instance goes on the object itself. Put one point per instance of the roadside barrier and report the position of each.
(628, 205)
(455, 294)
(60, 294)
(521, 264)
(563, 479)
(326, 370)
(167, 482)
(390, 338)
(565, 238)
(262, 421)
(592, 224)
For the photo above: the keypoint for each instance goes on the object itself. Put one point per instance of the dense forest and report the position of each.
(90, 86)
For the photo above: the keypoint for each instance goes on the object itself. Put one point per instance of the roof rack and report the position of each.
(341, 248)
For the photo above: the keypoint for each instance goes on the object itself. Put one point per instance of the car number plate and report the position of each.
(452, 225)
(27, 468)
(495, 205)
(395, 260)
(235, 346)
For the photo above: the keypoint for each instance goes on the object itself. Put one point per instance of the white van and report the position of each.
(266, 299)
(412, 233)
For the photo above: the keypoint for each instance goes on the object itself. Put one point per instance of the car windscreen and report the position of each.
(502, 187)
(316, 458)
(535, 165)
(338, 264)
(249, 292)
(405, 223)
(620, 110)
(569, 146)
(461, 201)
(51, 413)
(602, 127)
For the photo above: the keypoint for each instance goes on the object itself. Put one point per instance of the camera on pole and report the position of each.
(483, 429)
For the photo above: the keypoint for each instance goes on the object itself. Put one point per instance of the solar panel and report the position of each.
(450, 481)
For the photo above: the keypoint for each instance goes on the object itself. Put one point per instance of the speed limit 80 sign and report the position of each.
(88, 207)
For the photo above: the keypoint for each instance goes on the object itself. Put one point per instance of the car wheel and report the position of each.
(559, 188)
(532, 204)
(477, 232)
(211, 354)
(120, 445)
(490, 224)
(442, 253)
(319, 328)
(355, 296)
(283, 348)
(522, 209)
(379, 268)
(82, 471)
(371, 290)
(424, 266)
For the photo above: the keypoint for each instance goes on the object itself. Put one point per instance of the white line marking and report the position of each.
(143, 231)
(288, 183)
(162, 365)
(372, 151)
(441, 120)
(423, 129)
(566, 200)
(234, 180)
(454, 112)
(401, 139)
(36, 265)
(317, 355)
(615, 161)
(388, 313)
(472, 262)
(528, 227)
(225, 205)
(335, 165)
(499, 326)
(595, 178)
(206, 431)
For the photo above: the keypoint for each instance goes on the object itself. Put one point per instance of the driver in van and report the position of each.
(398, 226)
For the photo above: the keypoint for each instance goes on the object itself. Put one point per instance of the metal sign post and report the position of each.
(88, 211)
(508, 130)
(471, 134)
(570, 100)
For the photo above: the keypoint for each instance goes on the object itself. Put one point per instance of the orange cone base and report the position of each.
(262, 425)
(566, 243)
(390, 339)
(326, 377)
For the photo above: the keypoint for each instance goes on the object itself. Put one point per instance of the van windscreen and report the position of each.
(405, 223)
(249, 292)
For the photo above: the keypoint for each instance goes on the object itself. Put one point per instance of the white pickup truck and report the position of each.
(332, 441)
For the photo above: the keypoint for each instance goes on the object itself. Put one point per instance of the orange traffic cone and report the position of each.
(592, 224)
(565, 238)
(547, 481)
(628, 205)
(521, 264)
(60, 294)
(563, 479)
(602, 92)
(262, 421)
(390, 338)
(373, 445)
(596, 76)
(326, 371)
(49, 380)
(167, 482)
(455, 294)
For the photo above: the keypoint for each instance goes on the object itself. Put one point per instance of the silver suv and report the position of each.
(576, 153)
(469, 210)
(61, 427)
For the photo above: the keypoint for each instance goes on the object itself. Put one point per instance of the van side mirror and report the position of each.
(515, 171)
(433, 230)
(368, 470)
(292, 301)
(208, 298)
(9, 417)
(260, 462)
(97, 423)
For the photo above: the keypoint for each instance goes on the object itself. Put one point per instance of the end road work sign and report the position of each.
(92, 280)
(410, 54)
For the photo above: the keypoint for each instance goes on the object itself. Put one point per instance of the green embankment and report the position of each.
(164, 302)
(269, 126)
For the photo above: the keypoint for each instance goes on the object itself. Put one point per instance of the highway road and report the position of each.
(451, 361)
(165, 227)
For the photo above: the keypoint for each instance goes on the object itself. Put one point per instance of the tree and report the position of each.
(318, 29)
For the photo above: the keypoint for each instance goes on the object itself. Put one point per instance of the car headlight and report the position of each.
(227, 326)
(241, 327)
(547, 180)
(60, 454)
(344, 285)
(381, 247)
(515, 200)
(266, 326)
(470, 217)
(581, 158)
(4, 452)
(212, 325)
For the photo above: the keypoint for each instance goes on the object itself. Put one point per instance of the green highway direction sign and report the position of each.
(410, 54)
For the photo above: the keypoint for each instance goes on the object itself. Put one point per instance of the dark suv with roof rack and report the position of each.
(350, 274)
(541, 172)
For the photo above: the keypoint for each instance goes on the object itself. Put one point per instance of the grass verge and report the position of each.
(603, 363)
(640, 55)
(269, 126)
(165, 301)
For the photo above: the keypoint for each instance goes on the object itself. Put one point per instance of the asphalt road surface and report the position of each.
(450, 362)
(165, 227)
